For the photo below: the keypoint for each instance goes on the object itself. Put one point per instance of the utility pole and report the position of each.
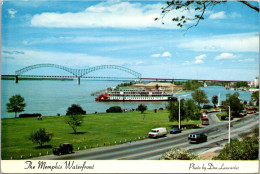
(179, 113)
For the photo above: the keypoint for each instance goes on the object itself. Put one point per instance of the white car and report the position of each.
(157, 132)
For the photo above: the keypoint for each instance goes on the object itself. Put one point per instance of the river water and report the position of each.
(50, 97)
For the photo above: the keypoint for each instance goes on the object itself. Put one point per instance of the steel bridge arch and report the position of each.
(89, 70)
(78, 72)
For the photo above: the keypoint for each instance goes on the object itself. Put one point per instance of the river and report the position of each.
(50, 97)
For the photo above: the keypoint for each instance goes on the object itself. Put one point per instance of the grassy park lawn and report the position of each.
(96, 129)
(219, 115)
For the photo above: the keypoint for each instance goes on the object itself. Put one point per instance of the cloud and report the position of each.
(60, 58)
(13, 52)
(187, 63)
(109, 14)
(165, 54)
(225, 56)
(243, 42)
(219, 15)
(104, 14)
(247, 60)
(12, 12)
(156, 55)
(199, 59)
(235, 15)
(78, 39)
(139, 62)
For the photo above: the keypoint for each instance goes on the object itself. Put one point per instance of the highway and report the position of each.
(152, 149)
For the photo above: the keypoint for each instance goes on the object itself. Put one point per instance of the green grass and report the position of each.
(221, 114)
(96, 129)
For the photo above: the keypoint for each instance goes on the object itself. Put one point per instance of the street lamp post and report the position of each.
(179, 113)
(229, 124)
(229, 120)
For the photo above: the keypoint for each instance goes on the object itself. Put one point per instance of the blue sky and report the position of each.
(82, 34)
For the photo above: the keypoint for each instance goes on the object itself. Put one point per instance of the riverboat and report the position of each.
(135, 94)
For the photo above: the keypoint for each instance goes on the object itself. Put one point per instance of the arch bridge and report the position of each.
(77, 72)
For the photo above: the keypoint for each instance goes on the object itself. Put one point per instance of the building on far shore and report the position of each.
(254, 83)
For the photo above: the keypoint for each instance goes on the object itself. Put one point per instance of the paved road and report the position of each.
(148, 149)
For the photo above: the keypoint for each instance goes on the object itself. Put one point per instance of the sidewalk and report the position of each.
(208, 155)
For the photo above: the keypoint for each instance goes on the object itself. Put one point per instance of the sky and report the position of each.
(81, 34)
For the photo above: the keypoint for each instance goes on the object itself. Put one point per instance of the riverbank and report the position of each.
(168, 87)
(101, 129)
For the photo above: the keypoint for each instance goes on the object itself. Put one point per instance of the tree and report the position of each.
(200, 97)
(255, 97)
(233, 101)
(192, 111)
(240, 84)
(74, 121)
(40, 136)
(75, 110)
(191, 85)
(173, 107)
(188, 110)
(199, 6)
(215, 100)
(142, 108)
(16, 104)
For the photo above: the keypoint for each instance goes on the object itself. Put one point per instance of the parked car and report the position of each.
(63, 149)
(175, 130)
(242, 114)
(226, 118)
(157, 132)
(250, 112)
(204, 115)
(197, 137)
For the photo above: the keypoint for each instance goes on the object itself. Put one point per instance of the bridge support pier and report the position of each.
(16, 79)
(78, 80)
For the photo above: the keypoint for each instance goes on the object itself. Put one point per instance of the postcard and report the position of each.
(129, 86)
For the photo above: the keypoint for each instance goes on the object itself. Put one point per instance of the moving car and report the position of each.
(157, 132)
(63, 149)
(175, 130)
(197, 137)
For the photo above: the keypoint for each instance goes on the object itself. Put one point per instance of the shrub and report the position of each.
(114, 109)
(75, 110)
(207, 106)
(40, 136)
(179, 154)
(30, 115)
(247, 149)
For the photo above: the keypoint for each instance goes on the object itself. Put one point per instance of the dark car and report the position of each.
(226, 118)
(197, 137)
(175, 130)
(63, 149)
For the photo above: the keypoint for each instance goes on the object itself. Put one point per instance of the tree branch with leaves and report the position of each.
(199, 7)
